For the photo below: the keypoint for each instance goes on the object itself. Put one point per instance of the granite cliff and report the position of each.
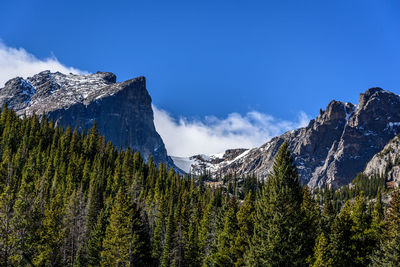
(122, 110)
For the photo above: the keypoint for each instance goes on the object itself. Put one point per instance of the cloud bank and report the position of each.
(18, 62)
(184, 137)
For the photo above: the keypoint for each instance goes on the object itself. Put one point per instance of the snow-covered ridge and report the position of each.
(212, 163)
(47, 91)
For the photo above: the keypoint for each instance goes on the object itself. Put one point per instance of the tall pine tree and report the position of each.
(278, 226)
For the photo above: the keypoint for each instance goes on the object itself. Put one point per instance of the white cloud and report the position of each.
(184, 137)
(18, 62)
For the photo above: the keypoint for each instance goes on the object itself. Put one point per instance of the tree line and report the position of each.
(70, 198)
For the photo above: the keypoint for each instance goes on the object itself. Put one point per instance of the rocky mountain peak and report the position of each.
(122, 109)
(376, 109)
(334, 147)
(335, 111)
(109, 76)
(364, 97)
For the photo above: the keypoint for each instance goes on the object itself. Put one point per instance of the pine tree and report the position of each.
(6, 244)
(207, 232)
(388, 253)
(139, 249)
(158, 233)
(341, 245)
(192, 251)
(278, 217)
(116, 242)
(245, 218)
(226, 239)
(23, 225)
(311, 221)
(95, 240)
(321, 252)
(74, 227)
(328, 213)
(377, 222)
(166, 258)
(51, 234)
(362, 236)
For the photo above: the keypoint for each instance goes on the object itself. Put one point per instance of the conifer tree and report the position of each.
(166, 258)
(388, 253)
(192, 251)
(321, 252)
(278, 217)
(24, 226)
(311, 221)
(341, 238)
(6, 244)
(74, 227)
(95, 240)
(116, 242)
(361, 234)
(245, 218)
(377, 222)
(328, 213)
(139, 247)
(51, 234)
(207, 231)
(158, 233)
(226, 239)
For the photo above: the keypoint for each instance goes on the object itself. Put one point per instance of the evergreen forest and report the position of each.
(70, 198)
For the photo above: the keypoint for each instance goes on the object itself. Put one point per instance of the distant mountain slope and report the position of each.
(122, 110)
(198, 164)
(335, 146)
(387, 162)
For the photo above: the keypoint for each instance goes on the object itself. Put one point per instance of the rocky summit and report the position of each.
(334, 147)
(122, 110)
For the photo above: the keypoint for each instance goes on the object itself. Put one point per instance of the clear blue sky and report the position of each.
(217, 57)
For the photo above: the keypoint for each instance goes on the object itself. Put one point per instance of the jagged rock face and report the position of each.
(336, 145)
(387, 162)
(122, 110)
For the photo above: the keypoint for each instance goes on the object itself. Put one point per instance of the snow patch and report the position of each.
(183, 163)
(29, 91)
(390, 125)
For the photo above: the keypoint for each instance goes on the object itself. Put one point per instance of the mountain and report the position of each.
(387, 162)
(122, 110)
(198, 164)
(334, 147)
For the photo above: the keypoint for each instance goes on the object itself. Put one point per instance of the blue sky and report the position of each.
(215, 58)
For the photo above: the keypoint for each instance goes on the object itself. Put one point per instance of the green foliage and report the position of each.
(278, 227)
(69, 198)
(388, 253)
(245, 220)
(322, 257)
(226, 239)
(117, 240)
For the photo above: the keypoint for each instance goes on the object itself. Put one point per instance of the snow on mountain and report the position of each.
(198, 164)
(331, 149)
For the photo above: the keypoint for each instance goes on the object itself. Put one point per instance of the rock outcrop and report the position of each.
(386, 163)
(122, 110)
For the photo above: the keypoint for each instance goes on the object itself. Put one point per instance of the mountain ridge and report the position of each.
(334, 146)
(122, 110)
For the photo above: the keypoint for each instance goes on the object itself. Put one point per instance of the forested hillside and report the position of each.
(73, 199)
